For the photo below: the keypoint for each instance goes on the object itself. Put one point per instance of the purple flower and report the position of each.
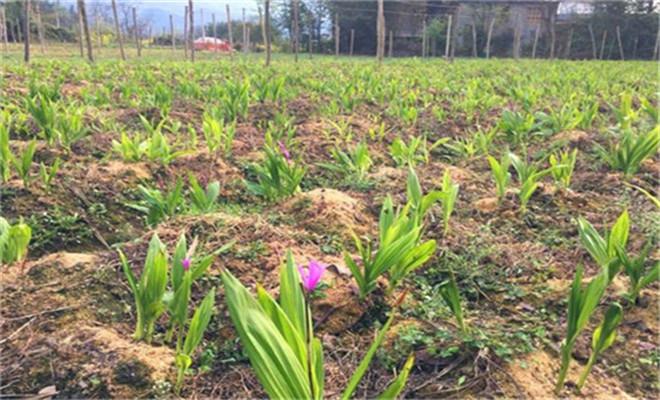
(284, 150)
(185, 263)
(311, 276)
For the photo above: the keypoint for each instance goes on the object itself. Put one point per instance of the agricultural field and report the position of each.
(461, 230)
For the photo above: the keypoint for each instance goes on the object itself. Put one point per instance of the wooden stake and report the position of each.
(5, 39)
(594, 51)
(424, 36)
(618, 39)
(80, 31)
(296, 28)
(186, 18)
(267, 25)
(448, 39)
(474, 39)
(656, 48)
(136, 33)
(172, 33)
(191, 32)
(26, 31)
(230, 36)
(118, 30)
(537, 32)
(602, 44)
(336, 34)
(40, 28)
(489, 36)
(381, 31)
(245, 35)
(352, 42)
(569, 44)
(552, 36)
(85, 25)
(391, 45)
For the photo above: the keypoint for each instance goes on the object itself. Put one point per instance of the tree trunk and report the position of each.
(352, 42)
(656, 48)
(5, 39)
(201, 22)
(136, 33)
(97, 27)
(57, 14)
(618, 39)
(311, 33)
(634, 51)
(602, 44)
(19, 30)
(214, 31)
(118, 30)
(26, 31)
(489, 35)
(191, 31)
(594, 51)
(552, 36)
(448, 39)
(517, 36)
(245, 35)
(85, 26)
(267, 24)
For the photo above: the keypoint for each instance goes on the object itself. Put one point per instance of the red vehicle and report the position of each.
(212, 44)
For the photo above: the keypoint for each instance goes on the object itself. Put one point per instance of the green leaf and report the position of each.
(394, 389)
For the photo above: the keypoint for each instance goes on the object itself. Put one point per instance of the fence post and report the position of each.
(618, 39)
(118, 30)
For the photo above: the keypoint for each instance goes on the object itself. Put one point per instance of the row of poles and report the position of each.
(265, 21)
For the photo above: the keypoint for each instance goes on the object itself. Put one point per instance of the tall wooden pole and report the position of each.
(118, 30)
(191, 32)
(618, 39)
(85, 26)
(656, 48)
(230, 35)
(448, 35)
(489, 36)
(351, 43)
(40, 27)
(245, 43)
(424, 36)
(80, 31)
(267, 27)
(536, 40)
(391, 45)
(602, 44)
(26, 31)
(336, 34)
(296, 28)
(594, 52)
(185, 32)
(381, 31)
(173, 40)
(569, 44)
(5, 39)
(136, 33)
